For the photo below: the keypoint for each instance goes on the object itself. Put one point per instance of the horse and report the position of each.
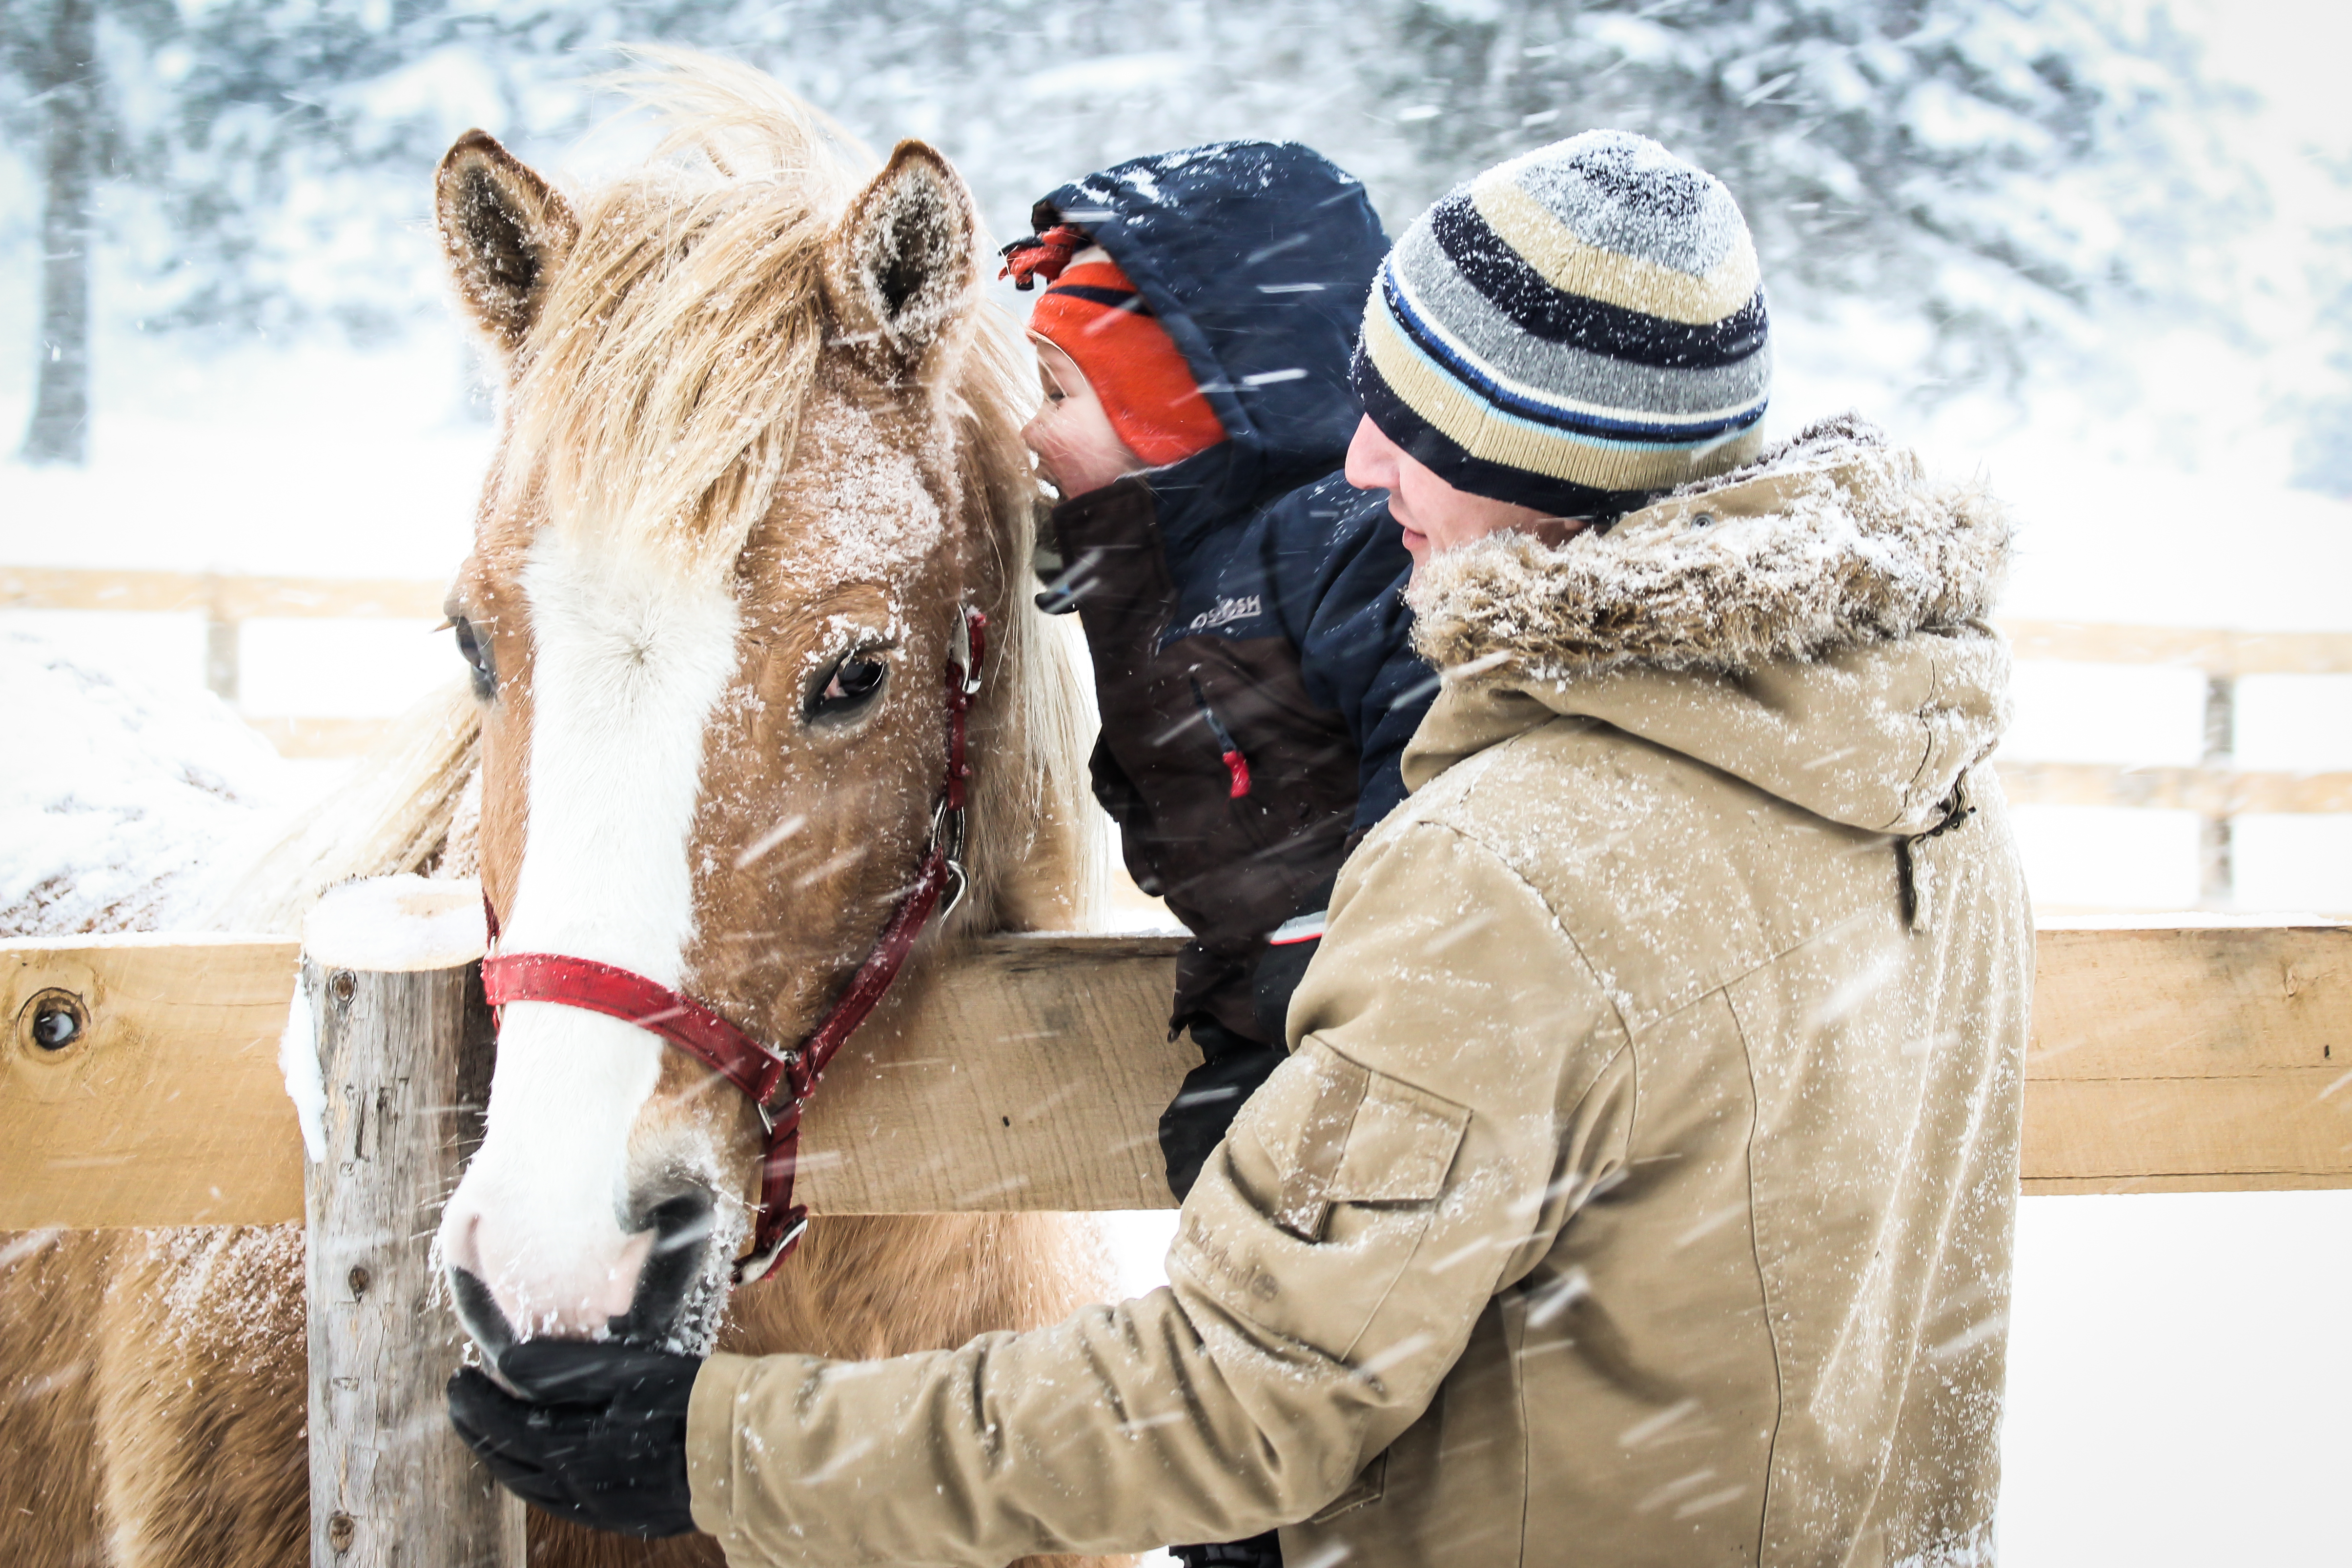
(758, 478)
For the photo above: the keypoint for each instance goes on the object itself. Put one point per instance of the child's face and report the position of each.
(1071, 435)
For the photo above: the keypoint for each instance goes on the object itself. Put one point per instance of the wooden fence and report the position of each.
(141, 1087)
(2217, 790)
(1031, 1076)
(226, 601)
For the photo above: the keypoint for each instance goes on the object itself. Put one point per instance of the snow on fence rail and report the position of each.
(2216, 790)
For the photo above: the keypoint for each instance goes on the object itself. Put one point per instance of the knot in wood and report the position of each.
(53, 1019)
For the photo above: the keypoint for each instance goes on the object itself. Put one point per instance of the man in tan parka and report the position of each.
(1639, 1189)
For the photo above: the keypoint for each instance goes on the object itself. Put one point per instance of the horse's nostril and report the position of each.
(479, 1315)
(682, 1222)
(682, 1226)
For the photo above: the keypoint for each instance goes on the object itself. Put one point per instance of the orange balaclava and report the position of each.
(1092, 312)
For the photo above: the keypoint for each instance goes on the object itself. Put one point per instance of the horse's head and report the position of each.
(757, 456)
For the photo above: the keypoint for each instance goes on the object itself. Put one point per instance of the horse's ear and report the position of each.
(505, 231)
(901, 272)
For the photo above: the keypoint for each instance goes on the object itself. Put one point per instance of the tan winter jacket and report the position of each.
(1640, 1188)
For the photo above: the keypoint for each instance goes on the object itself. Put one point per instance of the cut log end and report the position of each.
(397, 925)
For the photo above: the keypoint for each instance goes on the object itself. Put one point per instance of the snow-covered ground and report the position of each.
(120, 795)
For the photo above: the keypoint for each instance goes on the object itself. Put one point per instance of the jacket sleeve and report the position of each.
(1456, 1089)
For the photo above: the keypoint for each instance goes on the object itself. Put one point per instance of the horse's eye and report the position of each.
(476, 654)
(851, 684)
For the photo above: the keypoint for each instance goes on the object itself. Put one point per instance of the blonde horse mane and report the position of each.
(659, 392)
(656, 402)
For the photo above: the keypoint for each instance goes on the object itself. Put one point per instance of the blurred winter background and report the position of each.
(2099, 251)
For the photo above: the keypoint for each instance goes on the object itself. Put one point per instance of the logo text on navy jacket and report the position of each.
(1223, 614)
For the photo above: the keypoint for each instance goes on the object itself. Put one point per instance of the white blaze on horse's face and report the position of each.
(628, 666)
(667, 709)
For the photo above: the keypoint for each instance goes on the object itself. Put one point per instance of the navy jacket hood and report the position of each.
(1257, 258)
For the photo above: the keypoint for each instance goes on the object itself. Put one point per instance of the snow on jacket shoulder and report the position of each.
(1640, 1188)
(1242, 608)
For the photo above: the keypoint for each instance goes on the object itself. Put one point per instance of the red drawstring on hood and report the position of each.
(1042, 255)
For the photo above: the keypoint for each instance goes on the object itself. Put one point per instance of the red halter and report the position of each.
(779, 1082)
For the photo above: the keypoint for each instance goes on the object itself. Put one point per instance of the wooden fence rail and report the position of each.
(2230, 653)
(1032, 1074)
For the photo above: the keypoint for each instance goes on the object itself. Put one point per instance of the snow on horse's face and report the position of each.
(717, 569)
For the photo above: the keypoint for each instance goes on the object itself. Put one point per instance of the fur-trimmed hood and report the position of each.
(1832, 540)
(1813, 623)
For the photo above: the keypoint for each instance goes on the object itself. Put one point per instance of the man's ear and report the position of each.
(505, 231)
(901, 272)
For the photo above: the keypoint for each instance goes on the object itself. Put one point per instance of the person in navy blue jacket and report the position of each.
(1241, 603)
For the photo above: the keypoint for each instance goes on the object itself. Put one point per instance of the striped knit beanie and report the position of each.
(1578, 329)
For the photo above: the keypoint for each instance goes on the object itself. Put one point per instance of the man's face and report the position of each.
(1072, 436)
(1433, 514)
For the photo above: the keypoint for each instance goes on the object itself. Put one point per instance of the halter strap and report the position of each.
(779, 1083)
(628, 996)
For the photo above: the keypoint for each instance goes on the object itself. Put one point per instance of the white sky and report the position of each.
(2293, 50)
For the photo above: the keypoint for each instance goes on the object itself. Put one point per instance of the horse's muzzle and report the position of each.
(673, 1301)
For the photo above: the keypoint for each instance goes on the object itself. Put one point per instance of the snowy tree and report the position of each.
(2324, 453)
(229, 151)
(1994, 165)
(52, 51)
(2000, 169)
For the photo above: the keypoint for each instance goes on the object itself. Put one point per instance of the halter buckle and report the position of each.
(959, 651)
(962, 885)
(947, 834)
(752, 1269)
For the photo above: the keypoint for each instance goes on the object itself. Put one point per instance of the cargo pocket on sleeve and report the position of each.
(1340, 1133)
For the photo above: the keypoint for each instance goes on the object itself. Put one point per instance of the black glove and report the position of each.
(599, 1437)
(1194, 1123)
(1257, 1552)
(1278, 972)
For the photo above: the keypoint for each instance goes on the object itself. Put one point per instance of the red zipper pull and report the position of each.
(1228, 747)
(1238, 766)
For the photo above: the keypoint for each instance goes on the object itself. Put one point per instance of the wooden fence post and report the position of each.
(222, 673)
(2216, 878)
(405, 1055)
